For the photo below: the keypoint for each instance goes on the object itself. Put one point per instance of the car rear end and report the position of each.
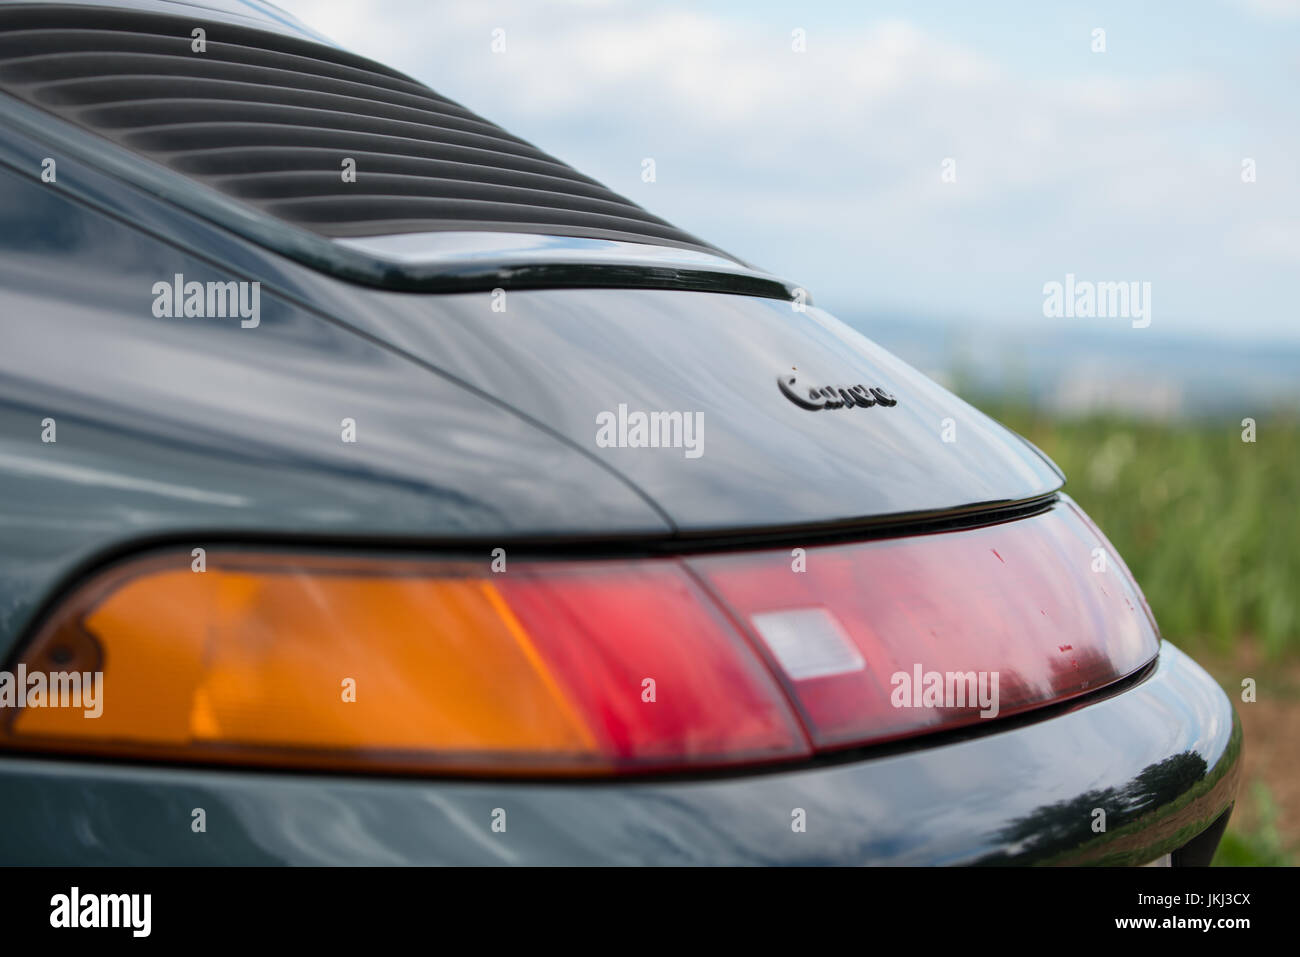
(494, 520)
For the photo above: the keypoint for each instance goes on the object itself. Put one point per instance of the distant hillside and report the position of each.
(1074, 369)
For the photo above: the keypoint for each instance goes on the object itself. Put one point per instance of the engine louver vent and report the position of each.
(268, 119)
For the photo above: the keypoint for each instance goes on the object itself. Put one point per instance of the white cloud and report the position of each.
(1279, 9)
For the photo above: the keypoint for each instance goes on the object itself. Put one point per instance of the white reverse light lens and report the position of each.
(808, 643)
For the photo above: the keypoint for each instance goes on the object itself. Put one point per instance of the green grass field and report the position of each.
(1210, 526)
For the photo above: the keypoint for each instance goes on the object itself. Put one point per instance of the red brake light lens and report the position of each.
(1035, 611)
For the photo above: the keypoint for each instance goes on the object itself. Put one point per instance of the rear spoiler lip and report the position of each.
(394, 262)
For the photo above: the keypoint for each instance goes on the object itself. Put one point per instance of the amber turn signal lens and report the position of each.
(409, 666)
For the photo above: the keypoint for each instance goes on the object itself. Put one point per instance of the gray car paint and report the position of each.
(477, 427)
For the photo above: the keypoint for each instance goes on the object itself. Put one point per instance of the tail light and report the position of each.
(589, 667)
(887, 639)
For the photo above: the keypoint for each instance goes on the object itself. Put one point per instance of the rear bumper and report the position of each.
(1160, 758)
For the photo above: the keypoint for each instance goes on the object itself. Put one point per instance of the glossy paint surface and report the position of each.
(572, 356)
(477, 427)
(1017, 796)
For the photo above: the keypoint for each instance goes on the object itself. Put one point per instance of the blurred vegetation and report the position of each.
(1262, 845)
(1209, 524)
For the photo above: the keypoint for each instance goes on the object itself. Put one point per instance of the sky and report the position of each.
(828, 166)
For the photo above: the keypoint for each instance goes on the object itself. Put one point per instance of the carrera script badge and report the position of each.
(814, 398)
